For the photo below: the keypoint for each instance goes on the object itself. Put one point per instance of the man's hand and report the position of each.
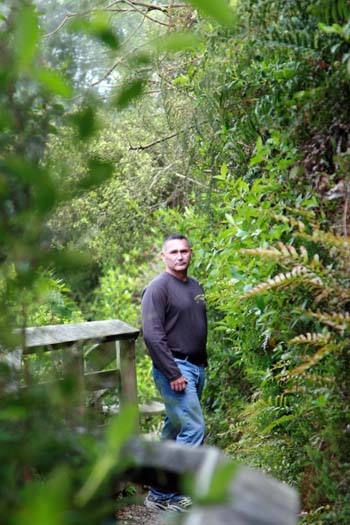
(178, 384)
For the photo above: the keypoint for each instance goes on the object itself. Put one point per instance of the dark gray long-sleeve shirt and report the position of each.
(174, 320)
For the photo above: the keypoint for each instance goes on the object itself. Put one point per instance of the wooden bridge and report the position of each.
(101, 357)
(98, 355)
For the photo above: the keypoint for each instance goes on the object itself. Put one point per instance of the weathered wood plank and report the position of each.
(90, 347)
(52, 335)
(153, 408)
(128, 387)
(73, 367)
(128, 392)
(107, 379)
(251, 498)
(100, 355)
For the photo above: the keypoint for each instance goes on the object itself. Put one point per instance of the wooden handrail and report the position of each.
(63, 334)
(110, 340)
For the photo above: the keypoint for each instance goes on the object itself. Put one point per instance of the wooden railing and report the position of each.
(250, 497)
(89, 348)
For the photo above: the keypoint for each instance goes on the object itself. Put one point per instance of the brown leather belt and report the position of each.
(194, 359)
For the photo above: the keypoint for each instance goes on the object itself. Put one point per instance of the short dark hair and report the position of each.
(173, 236)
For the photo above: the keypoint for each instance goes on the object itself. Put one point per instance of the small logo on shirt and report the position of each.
(199, 298)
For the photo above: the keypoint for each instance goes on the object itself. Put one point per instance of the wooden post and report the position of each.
(100, 355)
(97, 360)
(73, 369)
(13, 360)
(128, 389)
(89, 371)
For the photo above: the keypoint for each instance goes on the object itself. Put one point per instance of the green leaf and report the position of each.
(98, 27)
(99, 172)
(53, 82)
(218, 9)
(66, 259)
(130, 90)
(279, 421)
(175, 42)
(223, 169)
(334, 28)
(107, 37)
(230, 219)
(26, 37)
(121, 427)
(140, 58)
(6, 121)
(44, 502)
(214, 487)
(41, 185)
(117, 433)
(85, 120)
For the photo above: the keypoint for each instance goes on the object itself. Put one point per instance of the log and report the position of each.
(250, 496)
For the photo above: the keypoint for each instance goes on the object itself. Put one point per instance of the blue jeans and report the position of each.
(184, 422)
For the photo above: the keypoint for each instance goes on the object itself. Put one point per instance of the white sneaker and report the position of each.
(180, 504)
(153, 503)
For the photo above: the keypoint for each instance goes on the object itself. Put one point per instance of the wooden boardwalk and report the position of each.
(100, 356)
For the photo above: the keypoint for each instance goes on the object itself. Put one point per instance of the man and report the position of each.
(175, 332)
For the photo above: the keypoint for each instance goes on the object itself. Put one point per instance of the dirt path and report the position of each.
(138, 514)
(135, 513)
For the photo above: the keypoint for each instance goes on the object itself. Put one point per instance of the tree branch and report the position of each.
(61, 24)
(150, 7)
(195, 182)
(120, 60)
(147, 146)
(135, 5)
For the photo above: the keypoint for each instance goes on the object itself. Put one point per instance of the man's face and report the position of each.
(177, 255)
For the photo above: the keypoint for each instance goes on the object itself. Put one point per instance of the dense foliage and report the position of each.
(274, 140)
(241, 141)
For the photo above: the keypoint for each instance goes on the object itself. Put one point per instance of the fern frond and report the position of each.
(337, 294)
(329, 240)
(332, 11)
(284, 279)
(284, 252)
(311, 338)
(296, 223)
(313, 379)
(336, 244)
(280, 401)
(268, 252)
(339, 321)
(312, 361)
(279, 421)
